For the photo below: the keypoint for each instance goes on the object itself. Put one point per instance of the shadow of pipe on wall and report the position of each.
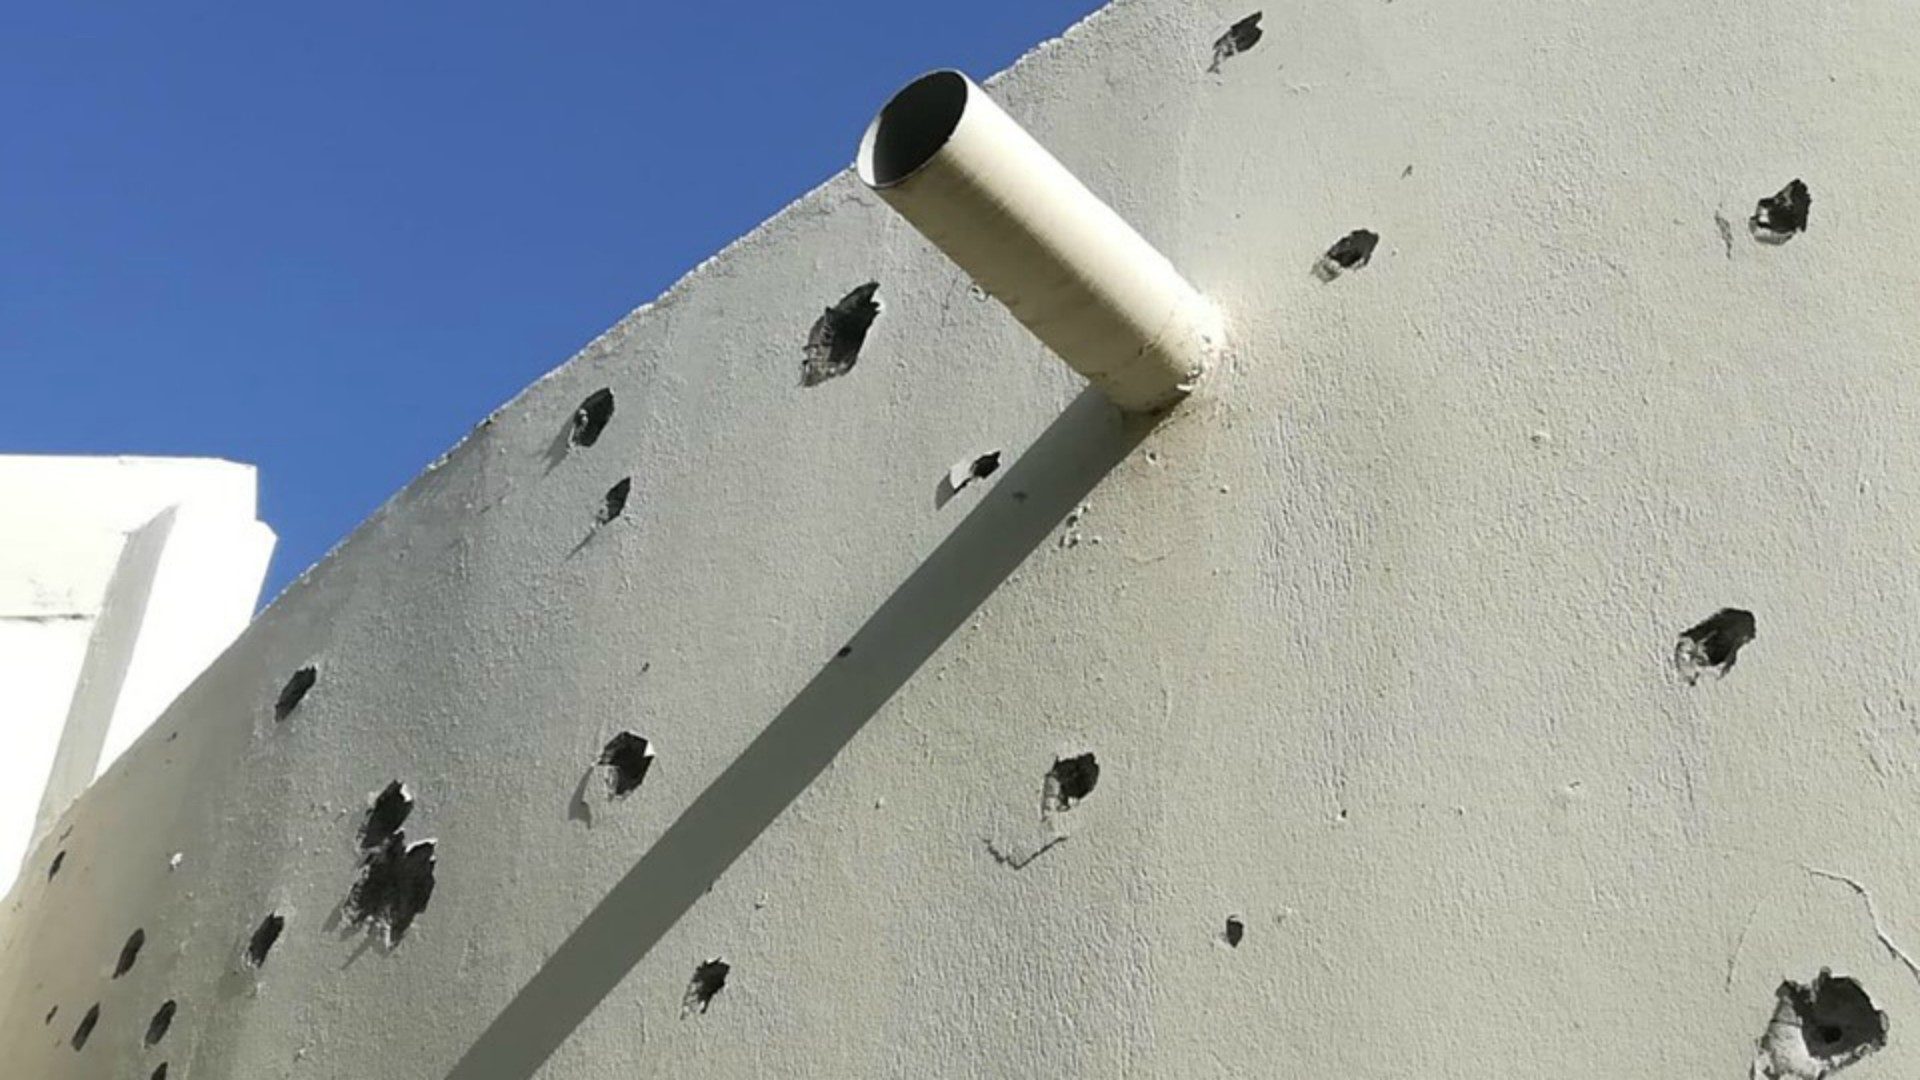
(1056, 474)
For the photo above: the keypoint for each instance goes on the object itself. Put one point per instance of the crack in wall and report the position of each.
(1021, 862)
(1873, 915)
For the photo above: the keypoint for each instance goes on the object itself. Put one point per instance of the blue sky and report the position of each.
(328, 238)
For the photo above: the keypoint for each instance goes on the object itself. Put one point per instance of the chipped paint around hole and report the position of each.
(1351, 252)
(834, 343)
(965, 473)
(1239, 37)
(1070, 780)
(708, 980)
(1713, 644)
(263, 939)
(1783, 215)
(626, 759)
(591, 418)
(387, 811)
(1818, 1029)
(395, 884)
(615, 502)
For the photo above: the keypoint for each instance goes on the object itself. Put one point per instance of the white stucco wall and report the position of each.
(121, 578)
(1372, 639)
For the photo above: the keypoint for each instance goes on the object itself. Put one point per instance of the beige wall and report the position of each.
(1373, 639)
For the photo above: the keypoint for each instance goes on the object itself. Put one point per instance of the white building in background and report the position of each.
(121, 578)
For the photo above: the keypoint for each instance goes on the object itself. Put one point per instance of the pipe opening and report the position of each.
(912, 128)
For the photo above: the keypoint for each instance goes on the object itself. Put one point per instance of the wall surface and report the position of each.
(1373, 641)
(121, 578)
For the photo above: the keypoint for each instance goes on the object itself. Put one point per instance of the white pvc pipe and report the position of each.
(971, 179)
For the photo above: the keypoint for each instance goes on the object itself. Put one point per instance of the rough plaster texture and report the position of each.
(1372, 639)
(121, 578)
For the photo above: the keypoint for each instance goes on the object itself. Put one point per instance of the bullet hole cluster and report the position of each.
(395, 884)
(292, 694)
(833, 345)
(396, 878)
(1239, 37)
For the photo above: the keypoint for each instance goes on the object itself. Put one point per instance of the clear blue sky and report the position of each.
(328, 238)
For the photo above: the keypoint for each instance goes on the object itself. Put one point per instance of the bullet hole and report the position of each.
(1350, 252)
(626, 757)
(615, 503)
(1069, 781)
(159, 1072)
(1778, 217)
(395, 883)
(590, 419)
(294, 692)
(966, 472)
(708, 978)
(162, 1020)
(1725, 228)
(1239, 37)
(833, 345)
(1818, 1029)
(59, 858)
(386, 812)
(51, 1013)
(1714, 644)
(263, 939)
(844, 652)
(1236, 931)
(85, 1030)
(130, 952)
(174, 860)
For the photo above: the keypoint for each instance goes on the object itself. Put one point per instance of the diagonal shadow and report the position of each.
(1015, 516)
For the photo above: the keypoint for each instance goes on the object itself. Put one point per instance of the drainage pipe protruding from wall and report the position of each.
(971, 179)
